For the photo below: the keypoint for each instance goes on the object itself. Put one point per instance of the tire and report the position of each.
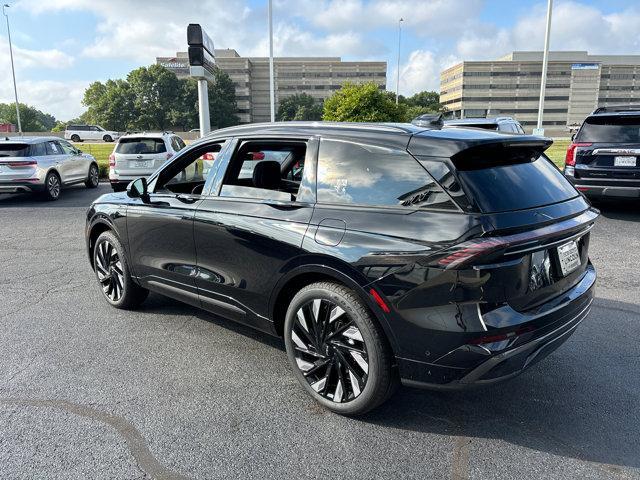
(93, 179)
(75, 138)
(113, 274)
(351, 370)
(52, 187)
(107, 138)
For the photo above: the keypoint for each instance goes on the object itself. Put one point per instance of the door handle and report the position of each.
(186, 199)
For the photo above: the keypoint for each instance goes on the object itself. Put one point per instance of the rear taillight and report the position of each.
(570, 158)
(501, 336)
(467, 251)
(20, 163)
(169, 155)
(112, 160)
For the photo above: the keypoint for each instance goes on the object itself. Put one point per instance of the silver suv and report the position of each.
(44, 165)
(139, 155)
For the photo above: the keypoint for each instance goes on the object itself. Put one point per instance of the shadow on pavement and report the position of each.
(628, 210)
(571, 405)
(71, 197)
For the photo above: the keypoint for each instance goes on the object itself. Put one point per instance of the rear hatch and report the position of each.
(535, 239)
(15, 162)
(135, 156)
(608, 147)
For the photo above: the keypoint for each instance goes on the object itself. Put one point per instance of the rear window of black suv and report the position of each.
(610, 129)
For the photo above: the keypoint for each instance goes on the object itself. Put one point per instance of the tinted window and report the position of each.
(53, 148)
(610, 129)
(140, 146)
(516, 186)
(179, 144)
(356, 173)
(38, 150)
(13, 150)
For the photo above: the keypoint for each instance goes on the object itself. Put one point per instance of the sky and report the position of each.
(61, 46)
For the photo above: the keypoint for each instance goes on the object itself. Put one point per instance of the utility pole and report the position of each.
(398, 70)
(272, 93)
(13, 71)
(545, 59)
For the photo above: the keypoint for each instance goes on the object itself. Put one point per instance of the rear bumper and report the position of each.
(606, 187)
(472, 365)
(21, 187)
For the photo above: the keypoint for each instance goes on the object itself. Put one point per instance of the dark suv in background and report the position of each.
(380, 252)
(603, 158)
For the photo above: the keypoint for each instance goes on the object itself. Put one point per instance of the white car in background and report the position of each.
(139, 155)
(80, 133)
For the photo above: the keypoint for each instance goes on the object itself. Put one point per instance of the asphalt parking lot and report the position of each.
(168, 392)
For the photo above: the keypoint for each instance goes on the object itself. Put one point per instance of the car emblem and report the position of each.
(139, 156)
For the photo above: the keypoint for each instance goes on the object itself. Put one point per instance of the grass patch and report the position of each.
(101, 152)
(557, 151)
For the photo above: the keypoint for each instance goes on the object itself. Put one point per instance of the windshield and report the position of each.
(14, 150)
(141, 146)
(610, 129)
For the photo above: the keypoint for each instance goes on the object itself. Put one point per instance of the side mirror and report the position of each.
(78, 151)
(573, 137)
(137, 188)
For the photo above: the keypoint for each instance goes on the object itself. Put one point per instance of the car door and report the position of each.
(160, 227)
(57, 159)
(75, 163)
(246, 232)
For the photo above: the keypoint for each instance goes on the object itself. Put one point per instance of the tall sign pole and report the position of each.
(398, 70)
(201, 67)
(272, 93)
(545, 59)
(13, 71)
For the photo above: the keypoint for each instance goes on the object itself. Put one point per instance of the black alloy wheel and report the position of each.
(109, 270)
(107, 138)
(75, 138)
(338, 352)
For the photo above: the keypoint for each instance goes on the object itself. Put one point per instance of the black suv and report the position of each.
(379, 252)
(499, 124)
(602, 160)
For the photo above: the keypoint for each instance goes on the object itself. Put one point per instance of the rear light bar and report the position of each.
(20, 163)
(570, 158)
(466, 252)
(501, 336)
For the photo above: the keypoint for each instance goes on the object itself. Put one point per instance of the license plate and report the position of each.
(624, 161)
(143, 164)
(569, 257)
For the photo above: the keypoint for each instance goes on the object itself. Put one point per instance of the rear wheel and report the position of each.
(52, 186)
(338, 353)
(112, 272)
(107, 138)
(93, 177)
(75, 138)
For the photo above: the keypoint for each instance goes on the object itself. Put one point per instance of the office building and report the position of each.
(577, 83)
(319, 77)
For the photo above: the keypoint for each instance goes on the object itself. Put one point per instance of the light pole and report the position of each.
(545, 60)
(272, 93)
(13, 71)
(398, 72)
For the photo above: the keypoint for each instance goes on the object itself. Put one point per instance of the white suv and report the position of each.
(139, 155)
(79, 133)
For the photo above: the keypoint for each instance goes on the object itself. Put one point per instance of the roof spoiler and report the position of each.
(499, 153)
(617, 109)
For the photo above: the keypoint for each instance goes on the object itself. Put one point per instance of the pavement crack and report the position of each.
(133, 438)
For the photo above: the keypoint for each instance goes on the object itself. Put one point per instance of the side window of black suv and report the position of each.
(362, 174)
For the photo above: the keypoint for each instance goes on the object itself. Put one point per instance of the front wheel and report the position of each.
(107, 138)
(337, 351)
(113, 274)
(75, 138)
(93, 177)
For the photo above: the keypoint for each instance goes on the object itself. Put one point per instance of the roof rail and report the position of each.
(617, 108)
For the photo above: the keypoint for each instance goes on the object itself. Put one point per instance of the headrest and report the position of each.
(266, 174)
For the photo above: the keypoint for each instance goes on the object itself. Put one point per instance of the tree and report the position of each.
(426, 99)
(153, 98)
(300, 106)
(363, 103)
(31, 119)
